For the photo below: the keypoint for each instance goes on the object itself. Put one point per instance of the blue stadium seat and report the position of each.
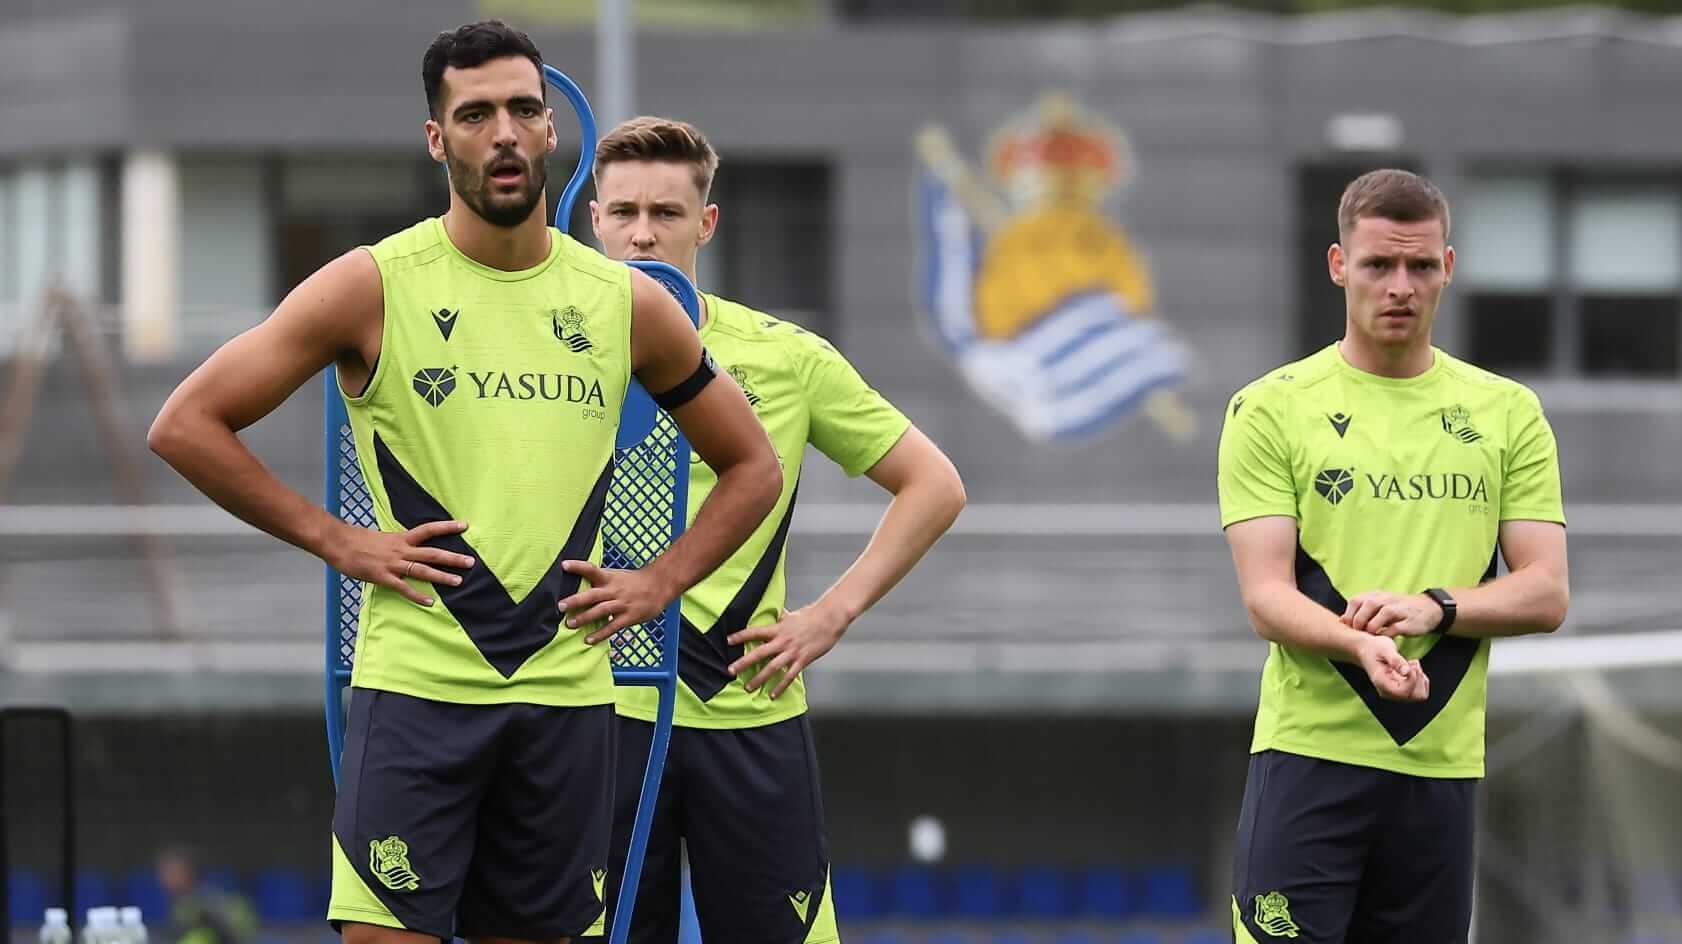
(222, 879)
(1012, 937)
(26, 897)
(1207, 936)
(1658, 893)
(1168, 893)
(978, 892)
(858, 896)
(951, 937)
(93, 890)
(1144, 936)
(285, 896)
(1078, 936)
(144, 891)
(912, 893)
(1103, 893)
(886, 937)
(1044, 892)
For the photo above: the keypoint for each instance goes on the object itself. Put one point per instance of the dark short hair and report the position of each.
(649, 138)
(1389, 194)
(473, 45)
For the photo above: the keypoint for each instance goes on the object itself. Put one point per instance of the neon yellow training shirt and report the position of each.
(1396, 485)
(803, 391)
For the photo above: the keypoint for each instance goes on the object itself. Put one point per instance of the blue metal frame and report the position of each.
(637, 419)
(338, 674)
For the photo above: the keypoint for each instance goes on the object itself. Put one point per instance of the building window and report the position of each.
(1630, 335)
(773, 246)
(1509, 331)
(1572, 272)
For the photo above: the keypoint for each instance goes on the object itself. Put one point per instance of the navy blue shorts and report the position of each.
(747, 806)
(1332, 853)
(473, 820)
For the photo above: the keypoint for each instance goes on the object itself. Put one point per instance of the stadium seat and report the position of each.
(951, 937)
(1143, 936)
(1207, 936)
(886, 937)
(912, 893)
(1658, 893)
(858, 896)
(93, 890)
(1103, 893)
(222, 879)
(1168, 893)
(978, 892)
(285, 896)
(26, 897)
(144, 891)
(1044, 892)
(1011, 937)
(1076, 936)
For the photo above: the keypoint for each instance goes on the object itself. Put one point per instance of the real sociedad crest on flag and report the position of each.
(1042, 302)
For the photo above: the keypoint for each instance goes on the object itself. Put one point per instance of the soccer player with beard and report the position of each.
(484, 358)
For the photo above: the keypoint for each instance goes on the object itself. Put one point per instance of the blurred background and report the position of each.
(1040, 738)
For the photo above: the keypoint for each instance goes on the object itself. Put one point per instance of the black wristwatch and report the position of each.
(1450, 608)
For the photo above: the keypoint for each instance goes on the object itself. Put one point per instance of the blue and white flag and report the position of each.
(1069, 373)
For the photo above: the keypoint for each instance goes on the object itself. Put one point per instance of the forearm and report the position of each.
(1532, 599)
(731, 512)
(914, 521)
(1281, 613)
(210, 456)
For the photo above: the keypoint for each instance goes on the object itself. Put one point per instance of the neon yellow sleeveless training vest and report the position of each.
(495, 401)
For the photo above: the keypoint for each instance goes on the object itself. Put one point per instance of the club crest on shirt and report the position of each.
(1033, 291)
(740, 375)
(1457, 422)
(568, 323)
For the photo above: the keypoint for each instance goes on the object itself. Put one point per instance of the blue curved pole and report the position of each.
(586, 146)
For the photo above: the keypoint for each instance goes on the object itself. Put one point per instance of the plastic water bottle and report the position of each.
(55, 928)
(133, 928)
(101, 927)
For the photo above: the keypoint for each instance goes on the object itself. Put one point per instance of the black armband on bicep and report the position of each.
(687, 390)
